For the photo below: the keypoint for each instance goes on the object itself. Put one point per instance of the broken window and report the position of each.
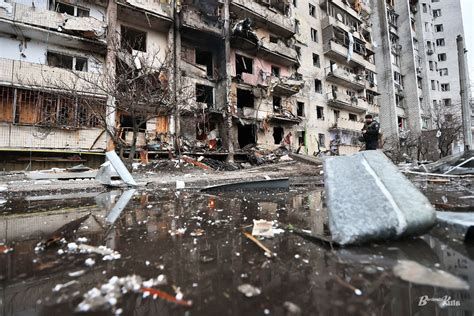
(59, 60)
(273, 39)
(278, 134)
(322, 140)
(132, 39)
(243, 64)
(352, 117)
(298, 51)
(245, 98)
(80, 64)
(297, 26)
(440, 42)
(370, 97)
(276, 104)
(439, 28)
(205, 94)
(205, 58)
(300, 109)
(67, 8)
(301, 138)
(275, 71)
(318, 86)
(445, 87)
(320, 113)
(316, 60)
(401, 123)
(312, 10)
(314, 35)
(246, 135)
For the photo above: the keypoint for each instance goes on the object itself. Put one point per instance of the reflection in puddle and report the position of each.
(195, 240)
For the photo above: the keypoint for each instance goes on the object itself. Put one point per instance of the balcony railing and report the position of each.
(21, 73)
(89, 27)
(273, 19)
(344, 78)
(345, 102)
(345, 124)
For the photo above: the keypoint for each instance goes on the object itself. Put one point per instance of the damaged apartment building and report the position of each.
(267, 72)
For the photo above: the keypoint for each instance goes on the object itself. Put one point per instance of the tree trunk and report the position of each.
(133, 146)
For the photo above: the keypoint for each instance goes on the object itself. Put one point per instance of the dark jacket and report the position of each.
(371, 136)
(372, 131)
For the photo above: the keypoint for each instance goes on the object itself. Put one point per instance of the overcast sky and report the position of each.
(468, 19)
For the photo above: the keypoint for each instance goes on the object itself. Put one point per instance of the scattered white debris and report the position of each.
(2, 201)
(60, 252)
(107, 253)
(297, 256)
(292, 308)
(109, 294)
(414, 272)
(72, 246)
(89, 262)
(180, 185)
(59, 287)
(178, 231)
(249, 290)
(2, 189)
(76, 274)
(82, 240)
(160, 280)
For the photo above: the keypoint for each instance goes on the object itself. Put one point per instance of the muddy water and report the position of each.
(196, 241)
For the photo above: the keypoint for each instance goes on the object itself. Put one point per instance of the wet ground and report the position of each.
(196, 241)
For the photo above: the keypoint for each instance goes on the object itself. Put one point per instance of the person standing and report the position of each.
(370, 133)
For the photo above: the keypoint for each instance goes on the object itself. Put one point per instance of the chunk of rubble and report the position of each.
(263, 228)
(107, 253)
(249, 290)
(459, 225)
(414, 272)
(368, 199)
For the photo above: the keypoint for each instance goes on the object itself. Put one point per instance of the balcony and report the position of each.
(62, 29)
(336, 42)
(277, 53)
(339, 53)
(274, 20)
(365, 9)
(331, 21)
(25, 74)
(146, 13)
(344, 78)
(342, 5)
(346, 125)
(344, 102)
(285, 86)
(192, 18)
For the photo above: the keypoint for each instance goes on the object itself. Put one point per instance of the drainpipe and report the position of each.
(110, 70)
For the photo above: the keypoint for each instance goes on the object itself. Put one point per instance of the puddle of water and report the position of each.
(208, 269)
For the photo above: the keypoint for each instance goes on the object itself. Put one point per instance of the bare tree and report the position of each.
(447, 121)
(140, 89)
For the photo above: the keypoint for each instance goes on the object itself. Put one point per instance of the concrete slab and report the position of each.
(459, 225)
(369, 199)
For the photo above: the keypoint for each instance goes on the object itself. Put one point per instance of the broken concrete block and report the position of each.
(369, 199)
(459, 225)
